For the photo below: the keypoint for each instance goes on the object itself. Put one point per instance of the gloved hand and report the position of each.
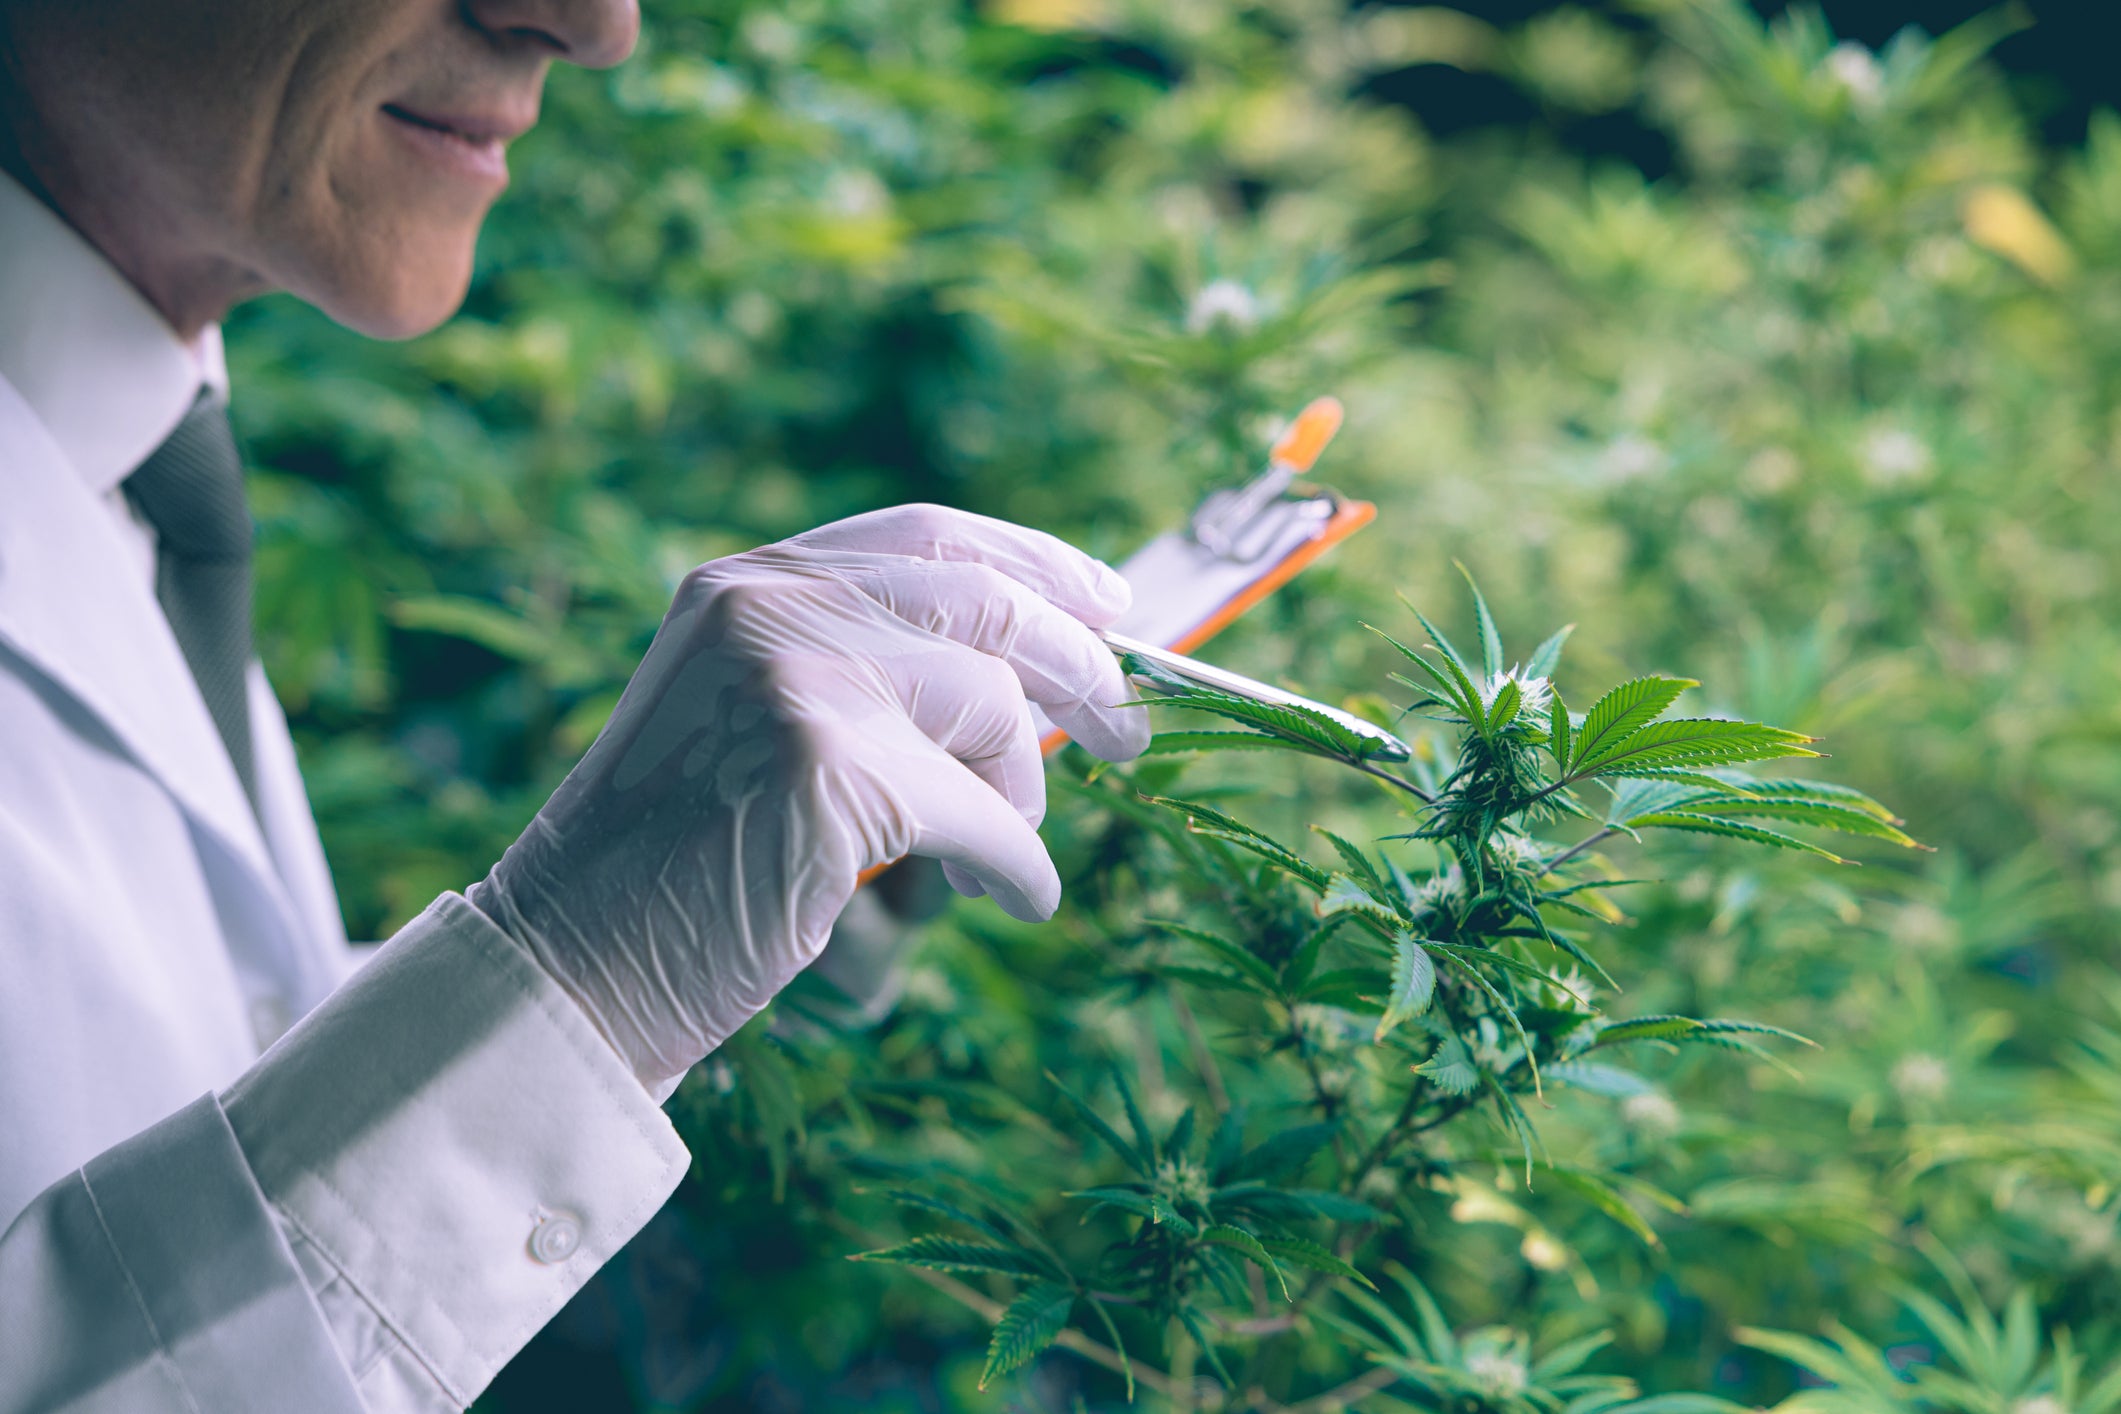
(809, 709)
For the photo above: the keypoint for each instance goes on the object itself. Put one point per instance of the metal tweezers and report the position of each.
(1385, 746)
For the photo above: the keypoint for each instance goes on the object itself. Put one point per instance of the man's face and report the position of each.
(345, 150)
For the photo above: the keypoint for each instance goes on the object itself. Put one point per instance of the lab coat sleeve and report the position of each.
(372, 1220)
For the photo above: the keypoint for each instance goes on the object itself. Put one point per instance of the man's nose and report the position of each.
(593, 33)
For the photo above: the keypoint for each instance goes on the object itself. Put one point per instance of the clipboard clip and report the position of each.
(1242, 523)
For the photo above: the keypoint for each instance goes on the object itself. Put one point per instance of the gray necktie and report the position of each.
(191, 491)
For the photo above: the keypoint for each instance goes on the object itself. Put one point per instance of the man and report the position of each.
(379, 1210)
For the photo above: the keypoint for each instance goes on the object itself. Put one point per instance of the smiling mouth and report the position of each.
(472, 136)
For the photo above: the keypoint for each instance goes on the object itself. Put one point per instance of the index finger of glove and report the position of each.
(1059, 664)
(1081, 585)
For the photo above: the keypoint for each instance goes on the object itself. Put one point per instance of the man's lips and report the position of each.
(477, 128)
(473, 145)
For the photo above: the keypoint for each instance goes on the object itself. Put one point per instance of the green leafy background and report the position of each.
(1825, 419)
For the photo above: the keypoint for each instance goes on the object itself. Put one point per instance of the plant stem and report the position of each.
(1589, 842)
(1390, 1138)
(1395, 781)
(1183, 1388)
(1203, 1059)
(1334, 1400)
(990, 1311)
(1327, 1106)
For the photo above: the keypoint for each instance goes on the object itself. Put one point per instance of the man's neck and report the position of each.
(191, 292)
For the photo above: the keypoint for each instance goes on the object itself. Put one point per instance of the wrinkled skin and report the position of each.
(218, 149)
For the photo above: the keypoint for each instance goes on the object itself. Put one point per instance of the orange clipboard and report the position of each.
(1239, 547)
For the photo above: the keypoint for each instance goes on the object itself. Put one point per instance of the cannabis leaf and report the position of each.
(1029, 1325)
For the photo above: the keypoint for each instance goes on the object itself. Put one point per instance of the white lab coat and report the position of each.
(376, 1215)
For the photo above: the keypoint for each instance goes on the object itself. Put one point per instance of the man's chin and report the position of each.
(396, 298)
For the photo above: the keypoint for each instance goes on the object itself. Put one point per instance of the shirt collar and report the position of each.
(103, 371)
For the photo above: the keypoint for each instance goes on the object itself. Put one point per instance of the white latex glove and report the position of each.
(807, 710)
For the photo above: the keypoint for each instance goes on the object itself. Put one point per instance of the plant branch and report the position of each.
(1398, 782)
(1588, 842)
(1389, 1139)
(1203, 1058)
(1334, 1400)
(990, 1311)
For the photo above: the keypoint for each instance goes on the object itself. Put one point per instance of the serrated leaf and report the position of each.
(1699, 780)
(1311, 731)
(1558, 732)
(1175, 743)
(1809, 812)
(1691, 741)
(1496, 999)
(1451, 1068)
(1409, 893)
(1607, 1080)
(1297, 971)
(1387, 1320)
(1180, 1139)
(1726, 1042)
(1620, 712)
(1740, 783)
(1119, 1347)
(1191, 1319)
(1228, 1235)
(1223, 948)
(1490, 638)
(1549, 1020)
(1347, 987)
(1228, 1141)
(1345, 897)
(1358, 862)
(1646, 1028)
(1708, 825)
(1287, 1203)
(950, 1254)
(1680, 1404)
(1436, 636)
(1464, 688)
(1724, 1025)
(1279, 1153)
(1451, 678)
(1128, 1154)
(1547, 656)
(1560, 941)
(1144, 1137)
(1296, 1252)
(1033, 1320)
(946, 1209)
(1503, 710)
(1212, 978)
(1127, 1200)
(1413, 983)
(1207, 820)
(1602, 1196)
(1460, 953)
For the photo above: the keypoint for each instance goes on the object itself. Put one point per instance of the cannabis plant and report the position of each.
(1368, 1022)
(1971, 1362)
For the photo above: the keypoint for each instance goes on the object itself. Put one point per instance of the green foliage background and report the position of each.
(1826, 420)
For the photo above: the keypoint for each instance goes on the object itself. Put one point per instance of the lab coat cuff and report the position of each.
(153, 1278)
(456, 1139)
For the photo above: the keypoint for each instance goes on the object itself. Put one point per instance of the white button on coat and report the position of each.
(555, 1238)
